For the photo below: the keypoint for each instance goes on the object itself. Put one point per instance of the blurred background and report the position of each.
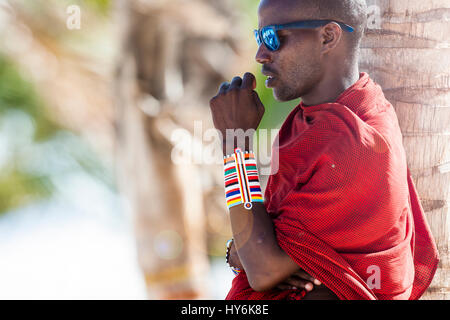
(95, 96)
(91, 93)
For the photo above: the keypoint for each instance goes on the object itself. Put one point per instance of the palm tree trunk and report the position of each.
(168, 216)
(163, 82)
(406, 50)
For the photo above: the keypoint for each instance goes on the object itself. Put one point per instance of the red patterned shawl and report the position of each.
(343, 203)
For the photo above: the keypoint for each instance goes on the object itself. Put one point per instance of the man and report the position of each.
(341, 217)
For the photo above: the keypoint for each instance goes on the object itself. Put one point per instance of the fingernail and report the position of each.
(317, 282)
(309, 286)
(294, 288)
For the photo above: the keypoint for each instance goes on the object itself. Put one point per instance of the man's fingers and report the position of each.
(284, 286)
(248, 81)
(236, 83)
(300, 280)
(299, 283)
(224, 87)
(305, 276)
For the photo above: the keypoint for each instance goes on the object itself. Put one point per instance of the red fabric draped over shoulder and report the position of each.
(343, 203)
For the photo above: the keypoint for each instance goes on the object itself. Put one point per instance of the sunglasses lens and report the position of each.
(270, 39)
(258, 39)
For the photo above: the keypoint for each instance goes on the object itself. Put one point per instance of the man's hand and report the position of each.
(299, 280)
(237, 106)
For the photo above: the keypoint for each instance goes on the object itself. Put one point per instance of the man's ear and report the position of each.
(331, 35)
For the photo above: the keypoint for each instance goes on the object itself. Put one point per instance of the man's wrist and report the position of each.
(229, 147)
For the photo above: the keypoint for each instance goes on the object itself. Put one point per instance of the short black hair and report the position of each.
(351, 12)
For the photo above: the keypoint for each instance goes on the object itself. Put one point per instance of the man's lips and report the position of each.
(271, 77)
(268, 73)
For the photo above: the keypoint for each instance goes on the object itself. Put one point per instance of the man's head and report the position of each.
(307, 55)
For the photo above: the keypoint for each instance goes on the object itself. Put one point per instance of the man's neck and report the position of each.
(331, 87)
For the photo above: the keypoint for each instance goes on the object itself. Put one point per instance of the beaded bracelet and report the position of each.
(241, 179)
(235, 270)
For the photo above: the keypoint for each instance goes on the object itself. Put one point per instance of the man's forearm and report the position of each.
(264, 262)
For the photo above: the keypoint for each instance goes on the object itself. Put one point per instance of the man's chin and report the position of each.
(283, 96)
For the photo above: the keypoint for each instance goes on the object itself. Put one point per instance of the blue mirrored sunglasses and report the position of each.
(268, 34)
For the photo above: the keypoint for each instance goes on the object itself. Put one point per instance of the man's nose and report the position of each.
(263, 55)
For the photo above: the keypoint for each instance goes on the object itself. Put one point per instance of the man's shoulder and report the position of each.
(336, 121)
(340, 132)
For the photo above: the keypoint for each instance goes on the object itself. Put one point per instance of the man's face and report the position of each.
(295, 68)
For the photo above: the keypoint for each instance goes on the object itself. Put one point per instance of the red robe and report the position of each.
(343, 204)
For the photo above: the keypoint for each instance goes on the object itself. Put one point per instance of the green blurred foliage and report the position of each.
(101, 6)
(17, 93)
(16, 187)
(34, 150)
(36, 153)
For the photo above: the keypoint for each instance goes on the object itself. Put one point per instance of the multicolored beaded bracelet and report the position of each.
(242, 184)
(235, 270)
